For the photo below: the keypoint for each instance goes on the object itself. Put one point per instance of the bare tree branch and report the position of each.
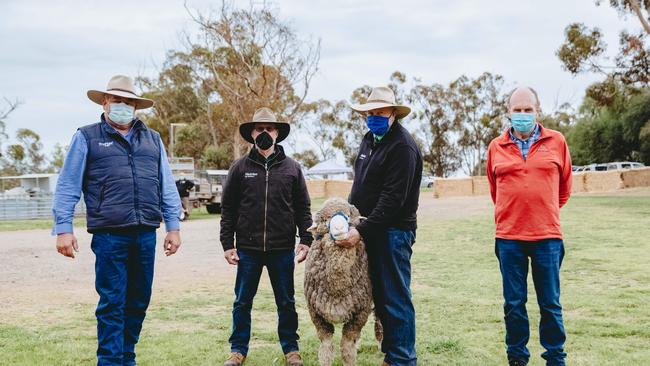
(636, 8)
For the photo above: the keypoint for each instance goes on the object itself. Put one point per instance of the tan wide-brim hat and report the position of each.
(121, 86)
(264, 115)
(382, 97)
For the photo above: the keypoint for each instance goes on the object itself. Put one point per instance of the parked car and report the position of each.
(594, 168)
(617, 165)
(576, 168)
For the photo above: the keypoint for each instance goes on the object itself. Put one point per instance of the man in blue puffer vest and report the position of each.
(121, 167)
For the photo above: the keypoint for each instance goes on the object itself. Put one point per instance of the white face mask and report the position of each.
(339, 226)
(121, 113)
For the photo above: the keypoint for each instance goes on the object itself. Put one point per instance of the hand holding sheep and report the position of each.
(353, 238)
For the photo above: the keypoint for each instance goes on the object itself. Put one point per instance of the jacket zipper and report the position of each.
(267, 168)
(266, 201)
(136, 200)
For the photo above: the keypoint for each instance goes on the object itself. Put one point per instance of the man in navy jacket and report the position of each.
(386, 189)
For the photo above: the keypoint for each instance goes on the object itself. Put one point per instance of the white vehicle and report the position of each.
(215, 180)
(617, 165)
(208, 184)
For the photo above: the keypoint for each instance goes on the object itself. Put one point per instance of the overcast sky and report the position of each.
(52, 51)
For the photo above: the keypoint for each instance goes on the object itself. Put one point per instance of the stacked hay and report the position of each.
(636, 178)
(452, 187)
(603, 181)
(316, 188)
(480, 186)
(338, 188)
(578, 185)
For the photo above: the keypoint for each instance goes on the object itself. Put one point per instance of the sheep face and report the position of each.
(335, 218)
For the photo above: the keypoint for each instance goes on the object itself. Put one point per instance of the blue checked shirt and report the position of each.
(524, 145)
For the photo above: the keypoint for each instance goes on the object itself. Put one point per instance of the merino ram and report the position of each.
(337, 285)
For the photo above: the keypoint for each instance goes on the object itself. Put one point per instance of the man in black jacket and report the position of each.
(386, 188)
(184, 186)
(264, 199)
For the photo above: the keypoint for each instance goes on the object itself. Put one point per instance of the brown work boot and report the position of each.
(384, 363)
(293, 359)
(235, 359)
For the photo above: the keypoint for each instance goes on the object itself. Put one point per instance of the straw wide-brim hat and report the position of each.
(382, 97)
(121, 86)
(264, 115)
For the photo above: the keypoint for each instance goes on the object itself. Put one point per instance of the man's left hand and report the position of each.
(172, 242)
(353, 239)
(301, 252)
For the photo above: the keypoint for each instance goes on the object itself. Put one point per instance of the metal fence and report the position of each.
(27, 207)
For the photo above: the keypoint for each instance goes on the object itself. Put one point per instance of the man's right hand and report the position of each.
(66, 244)
(231, 256)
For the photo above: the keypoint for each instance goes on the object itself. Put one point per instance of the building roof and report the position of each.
(328, 167)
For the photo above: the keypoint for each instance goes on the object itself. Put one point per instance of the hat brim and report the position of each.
(97, 96)
(401, 110)
(245, 130)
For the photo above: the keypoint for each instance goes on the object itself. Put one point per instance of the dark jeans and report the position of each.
(389, 262)
(280, 266)
(545, 259)
(124, 262)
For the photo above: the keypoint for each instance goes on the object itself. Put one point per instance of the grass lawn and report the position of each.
(456, 289)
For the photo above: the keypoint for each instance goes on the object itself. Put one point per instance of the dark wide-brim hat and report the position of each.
(264, 115)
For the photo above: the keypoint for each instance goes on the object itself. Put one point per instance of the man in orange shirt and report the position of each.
(529, 170)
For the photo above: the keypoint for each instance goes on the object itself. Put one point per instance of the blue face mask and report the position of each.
(121, 113)
(523, 122)
(378, 125)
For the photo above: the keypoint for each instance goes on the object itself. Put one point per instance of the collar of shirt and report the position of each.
(271, 157)
(532, 138)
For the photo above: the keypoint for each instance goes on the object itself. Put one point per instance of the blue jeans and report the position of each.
(280, 266)
(389, 265)
(545, 259)
(124, 261)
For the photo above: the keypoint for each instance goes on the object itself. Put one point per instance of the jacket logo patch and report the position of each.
(362, 156)
(542, 148)
(106, 144)
(250, 175)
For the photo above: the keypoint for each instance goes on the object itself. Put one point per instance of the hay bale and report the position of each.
(603, 181)
(480, 186)
(636, 178)
(452, 187)
(338, 188)
(578, 185)
(316, 188)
